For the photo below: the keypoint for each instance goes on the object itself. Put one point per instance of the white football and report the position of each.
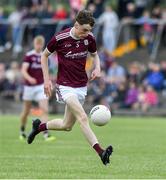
(100, 115)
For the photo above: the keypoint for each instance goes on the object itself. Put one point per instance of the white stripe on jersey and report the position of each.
(62, 36)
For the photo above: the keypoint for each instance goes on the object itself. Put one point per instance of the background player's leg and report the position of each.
(23, 118)
(43, 105)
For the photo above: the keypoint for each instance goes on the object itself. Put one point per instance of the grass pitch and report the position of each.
(139, 151)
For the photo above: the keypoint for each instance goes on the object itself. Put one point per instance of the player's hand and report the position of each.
(95, 74)
(32, 81)
(48, 88)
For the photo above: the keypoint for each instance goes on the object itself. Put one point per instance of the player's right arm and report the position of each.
(50, 48)
(26, 75)
(47, 82)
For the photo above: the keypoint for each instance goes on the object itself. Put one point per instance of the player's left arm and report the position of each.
(96, 73)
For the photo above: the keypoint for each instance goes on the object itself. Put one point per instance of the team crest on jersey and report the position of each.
(34, 59)
(86, 42)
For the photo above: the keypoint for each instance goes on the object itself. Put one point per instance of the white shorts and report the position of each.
(34, 93)
(64, 92)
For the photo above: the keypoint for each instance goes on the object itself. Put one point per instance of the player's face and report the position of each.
(82, 31)
(38, 46)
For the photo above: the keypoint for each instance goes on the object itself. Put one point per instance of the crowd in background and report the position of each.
(34, 11)
(136, 86)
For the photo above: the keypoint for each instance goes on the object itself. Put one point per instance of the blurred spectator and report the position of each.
(75, 6)
(119, 97)
(116, 74)
(130, 11)
(155, 77)
(141, 5)
(122, 7)
(15, 20)
(147, 98)
(131, 15)
(7, 90)
(28, 3)
(41, 12)
(163, 71)
(3, 33)
(157, 12)
(105, 59)
(151, 98)
(4, 84)
(96, 6)
(13, 73)
(45, 10)
(60, 12)
(147, 29)
(155, 2)
(134, 73)
(131, 95)
(163, 38)
(100, 91)
(109, 29)
(139, 104)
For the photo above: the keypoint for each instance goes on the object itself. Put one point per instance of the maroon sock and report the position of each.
(42, 127)
(98, 149)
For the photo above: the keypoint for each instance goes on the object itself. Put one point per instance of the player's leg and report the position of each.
(55, 124)
(43, 105)
(66, 124)
(23, 118)
(78, 111)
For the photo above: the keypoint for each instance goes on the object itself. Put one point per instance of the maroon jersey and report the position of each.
(72, 55)
(34, 60)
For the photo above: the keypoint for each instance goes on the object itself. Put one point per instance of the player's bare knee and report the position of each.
(68, 128)
(83, 119)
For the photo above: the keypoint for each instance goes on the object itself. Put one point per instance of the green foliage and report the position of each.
(112, 3)
(139, 151)
(8, 9)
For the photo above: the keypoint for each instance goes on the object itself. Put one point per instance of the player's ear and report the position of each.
(76, 25)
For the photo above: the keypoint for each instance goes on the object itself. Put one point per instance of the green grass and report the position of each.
(139, 151)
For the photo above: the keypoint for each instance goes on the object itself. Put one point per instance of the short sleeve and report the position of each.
(27, 59)
(51, 46)
(92, 44)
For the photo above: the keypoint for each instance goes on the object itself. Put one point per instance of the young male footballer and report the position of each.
(72, 46)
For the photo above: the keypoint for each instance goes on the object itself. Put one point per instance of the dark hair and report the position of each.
(85, 17)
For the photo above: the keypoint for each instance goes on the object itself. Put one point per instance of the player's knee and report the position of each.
(83, 119)
(68, 128)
